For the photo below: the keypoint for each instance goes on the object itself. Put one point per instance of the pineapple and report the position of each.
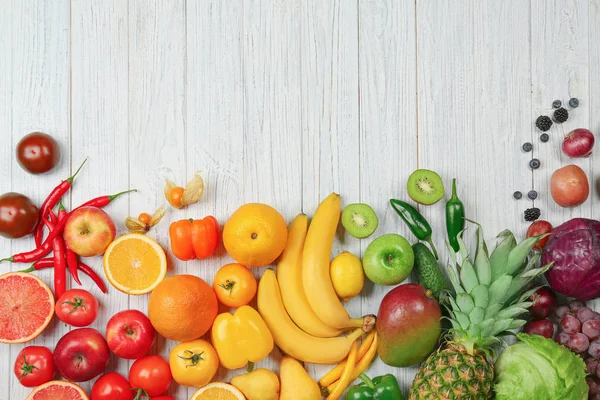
(489, 297)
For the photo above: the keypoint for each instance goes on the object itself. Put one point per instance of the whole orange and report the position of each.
(255, 234)
(182, 307)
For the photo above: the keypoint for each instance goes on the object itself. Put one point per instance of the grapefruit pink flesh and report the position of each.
(58, 390)
(26, 307)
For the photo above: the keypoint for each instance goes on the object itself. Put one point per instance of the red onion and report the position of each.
(578, 143)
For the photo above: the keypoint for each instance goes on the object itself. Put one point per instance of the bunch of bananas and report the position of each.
(300, 305)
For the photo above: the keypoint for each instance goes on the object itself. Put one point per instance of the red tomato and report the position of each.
(34, 366)
(112, 386)
(163, 398)
(540, 227)
(151, 373)
(38, 152)
(77, 307)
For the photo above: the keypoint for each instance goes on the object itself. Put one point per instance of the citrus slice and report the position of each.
(26, 307)
(135, 263)
(218, 391)
(58, 390)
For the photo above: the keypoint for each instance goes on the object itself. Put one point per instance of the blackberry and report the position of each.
(544, 137)
(557, 104)
(532, 214)
(534, 163)
(543, 122)
(574, 103)
(561, 115)
(517, 195)
(532, 195)
(527, 147)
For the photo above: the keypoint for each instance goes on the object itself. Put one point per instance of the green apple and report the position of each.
(388, 260)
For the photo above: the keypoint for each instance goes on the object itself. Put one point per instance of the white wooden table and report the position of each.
(283, 102)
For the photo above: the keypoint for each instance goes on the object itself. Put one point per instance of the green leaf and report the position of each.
(511, 312)
(462, 319)
(487, 326)
(462, 247)
(501, 325)
(482, 260)
(499, 257)
(492, 310)
(521, 281)
(518, 255)
(477, 315)
(517, 323)
(453, 304)
(465, 302)
(451, 252)
(468, 277)
(474, 331)
(454, 279)
(499, 288)
(480, 295)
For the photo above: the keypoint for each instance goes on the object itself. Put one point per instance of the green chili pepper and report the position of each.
(380, 388)
(455, 218)
(416, 222)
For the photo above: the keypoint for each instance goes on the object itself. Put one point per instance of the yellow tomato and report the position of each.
(235, 285)
(194, 363)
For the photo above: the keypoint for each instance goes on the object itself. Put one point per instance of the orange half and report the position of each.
(218, 391)
(135, 264)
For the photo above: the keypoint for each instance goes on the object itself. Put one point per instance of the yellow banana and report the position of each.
(289, 275)
(293, 340)
(315, 266)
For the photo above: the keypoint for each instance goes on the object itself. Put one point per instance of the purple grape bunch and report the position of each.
(579, 330)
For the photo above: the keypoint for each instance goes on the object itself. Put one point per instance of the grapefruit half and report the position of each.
(58, 390)
(26, 307)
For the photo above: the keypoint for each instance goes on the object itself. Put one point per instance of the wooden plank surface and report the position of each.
(284, 102)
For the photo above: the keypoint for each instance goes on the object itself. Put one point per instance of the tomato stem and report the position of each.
(250, 366)
(228, 285)
(195, 358)
(79, 302)
(140, 392)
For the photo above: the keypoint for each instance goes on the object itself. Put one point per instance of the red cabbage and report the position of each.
(574, 247)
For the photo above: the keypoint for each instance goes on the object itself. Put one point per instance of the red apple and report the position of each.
(81, 355)
(89, 231)
(130, 334)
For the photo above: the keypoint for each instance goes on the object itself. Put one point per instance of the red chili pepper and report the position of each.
(60, 268)
(55, 195)
(46, 246)
(44, 263)
(70, 255)
(103, 201)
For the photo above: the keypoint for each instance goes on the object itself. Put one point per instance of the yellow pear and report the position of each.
(296, 383)
(260, 384)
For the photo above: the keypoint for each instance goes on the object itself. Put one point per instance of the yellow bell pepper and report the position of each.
(241, 338)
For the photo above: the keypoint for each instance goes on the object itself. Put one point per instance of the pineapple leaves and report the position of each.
(465, 302)
(468, 277)
(511, 312)
(501, 325)
(518, 255)
(517, 323)
(480, 296)
(487, 327)
(499, 257)
(477, 315)
(482, 261)
(499, 288)
(453, 276)
(462, 319)
(462, 247)
(492, 310)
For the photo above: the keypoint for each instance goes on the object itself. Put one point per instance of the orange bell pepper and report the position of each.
(194, 238)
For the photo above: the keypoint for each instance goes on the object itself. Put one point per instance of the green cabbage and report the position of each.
(537, 368)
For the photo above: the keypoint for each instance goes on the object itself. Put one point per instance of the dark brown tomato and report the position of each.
(18, 215)
(38, 153)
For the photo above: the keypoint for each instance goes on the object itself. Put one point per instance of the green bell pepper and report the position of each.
(379, 388)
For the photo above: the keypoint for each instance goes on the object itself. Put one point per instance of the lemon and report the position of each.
(347, 275)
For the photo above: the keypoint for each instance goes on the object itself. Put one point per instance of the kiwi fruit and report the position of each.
(359, 220)
(425, 187)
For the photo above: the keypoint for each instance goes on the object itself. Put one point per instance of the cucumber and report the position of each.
(428, 270)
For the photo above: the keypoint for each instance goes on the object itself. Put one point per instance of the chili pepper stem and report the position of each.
(454, 195)
(72, 177)
(367, 380)
(433, 248)
(250, 366)
(9, 259)
(27, 270)
(114, 196)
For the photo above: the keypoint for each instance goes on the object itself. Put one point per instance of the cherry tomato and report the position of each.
(18, 215)
(34, 366)
(38, 153)
(175, 196)
(540, 227)
(151, 373)
(112, 386)
(234, 285)
(144, 218)
(194, 363)
(77, 307)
